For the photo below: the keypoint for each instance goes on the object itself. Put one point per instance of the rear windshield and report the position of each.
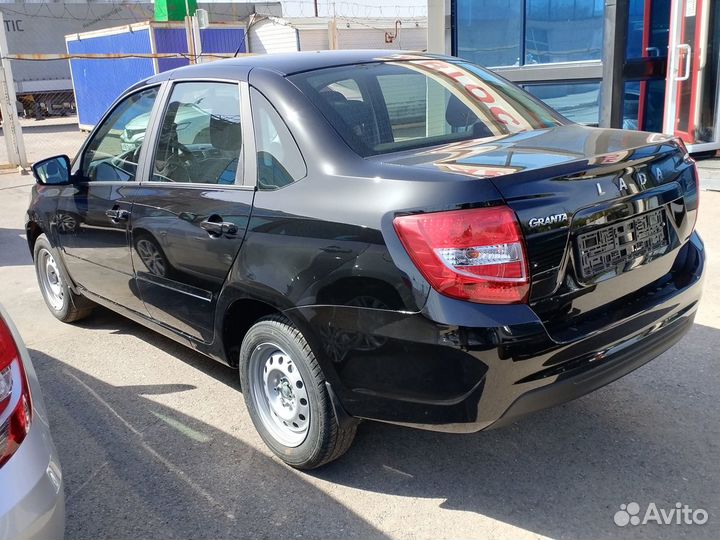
(391, 106)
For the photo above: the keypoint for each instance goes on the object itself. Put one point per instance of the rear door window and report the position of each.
(200, 139)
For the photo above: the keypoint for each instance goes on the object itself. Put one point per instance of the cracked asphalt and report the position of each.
(155, 442)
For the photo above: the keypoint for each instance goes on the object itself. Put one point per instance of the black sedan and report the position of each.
(371, 235)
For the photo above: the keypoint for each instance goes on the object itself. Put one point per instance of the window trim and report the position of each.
(156, 126)
(76, 165)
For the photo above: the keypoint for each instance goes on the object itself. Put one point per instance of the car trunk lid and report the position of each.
(604, 212)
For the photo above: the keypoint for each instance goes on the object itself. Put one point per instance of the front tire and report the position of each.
(62, 302)
(287, 398)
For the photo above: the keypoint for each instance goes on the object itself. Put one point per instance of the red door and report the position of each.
(688, 43)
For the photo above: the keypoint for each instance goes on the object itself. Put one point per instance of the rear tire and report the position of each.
(62, 302)
(287, 398)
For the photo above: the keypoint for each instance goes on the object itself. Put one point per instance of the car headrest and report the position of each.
(225, 134)
(332, 96)
(459, 115)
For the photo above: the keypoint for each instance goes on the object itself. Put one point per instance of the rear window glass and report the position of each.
(392, 106)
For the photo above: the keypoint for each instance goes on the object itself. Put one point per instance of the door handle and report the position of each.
(688, 61)
(117, 215)
(218, 228)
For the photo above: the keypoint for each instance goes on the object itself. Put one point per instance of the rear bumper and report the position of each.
(461, 367)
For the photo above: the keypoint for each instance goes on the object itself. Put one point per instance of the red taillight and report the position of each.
(15, 405)
(476, 254)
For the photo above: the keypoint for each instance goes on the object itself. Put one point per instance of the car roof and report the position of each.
(287, 63)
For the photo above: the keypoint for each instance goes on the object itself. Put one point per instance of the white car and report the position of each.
(191, 127)
(32, 501)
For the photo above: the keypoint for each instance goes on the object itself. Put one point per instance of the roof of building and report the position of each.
(375, 23)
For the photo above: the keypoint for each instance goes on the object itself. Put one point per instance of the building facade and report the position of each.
(657, 61)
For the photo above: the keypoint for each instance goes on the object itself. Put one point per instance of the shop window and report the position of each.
(489, 32)
(563, 31)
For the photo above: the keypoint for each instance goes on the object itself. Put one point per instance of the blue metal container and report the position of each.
(98, 82)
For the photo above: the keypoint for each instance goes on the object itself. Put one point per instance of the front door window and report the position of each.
(113, 153)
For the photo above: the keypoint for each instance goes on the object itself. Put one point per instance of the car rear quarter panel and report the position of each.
(323, 250)
(335, 225)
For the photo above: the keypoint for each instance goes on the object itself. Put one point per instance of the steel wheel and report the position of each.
(151, 257)
(51, 280)
(279, 394)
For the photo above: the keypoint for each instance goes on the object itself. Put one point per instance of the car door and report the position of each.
(93, 212)
(191, 211)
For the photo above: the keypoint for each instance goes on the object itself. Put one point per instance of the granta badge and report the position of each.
(548, 220)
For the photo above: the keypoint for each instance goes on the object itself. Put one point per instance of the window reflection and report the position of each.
(563, 30)
(419, 102)
(579, 102)
(488, 31)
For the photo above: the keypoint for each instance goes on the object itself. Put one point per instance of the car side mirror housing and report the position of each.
(52, 171)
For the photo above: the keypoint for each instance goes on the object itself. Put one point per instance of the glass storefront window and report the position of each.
(655, 43)
(631, 105)
(489, 31)
(563, 30)
(579, 102)
(636, 20)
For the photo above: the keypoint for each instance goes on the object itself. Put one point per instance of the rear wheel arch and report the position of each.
(237, 319)
(346, 291)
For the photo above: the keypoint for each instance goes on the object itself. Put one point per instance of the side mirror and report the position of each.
(52, 171)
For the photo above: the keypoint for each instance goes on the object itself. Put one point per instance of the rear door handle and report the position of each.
(117, 215)
(219, 228)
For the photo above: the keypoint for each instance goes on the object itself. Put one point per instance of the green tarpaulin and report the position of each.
(174, 10)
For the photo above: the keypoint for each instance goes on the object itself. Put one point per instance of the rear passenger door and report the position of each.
(191, 212)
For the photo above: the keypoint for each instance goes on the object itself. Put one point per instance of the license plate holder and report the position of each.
(607, 248)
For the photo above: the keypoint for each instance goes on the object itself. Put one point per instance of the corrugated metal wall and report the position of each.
(223, 40)
(414, 39)
(314, 40)
(271, 37)
(41, 27)
(170, 40)
(214, 40)
(95, 89)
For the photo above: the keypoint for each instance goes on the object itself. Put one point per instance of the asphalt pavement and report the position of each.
(155, 441)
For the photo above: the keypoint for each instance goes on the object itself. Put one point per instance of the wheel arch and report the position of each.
(32, 231)
(236, 319)
(345, 289)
